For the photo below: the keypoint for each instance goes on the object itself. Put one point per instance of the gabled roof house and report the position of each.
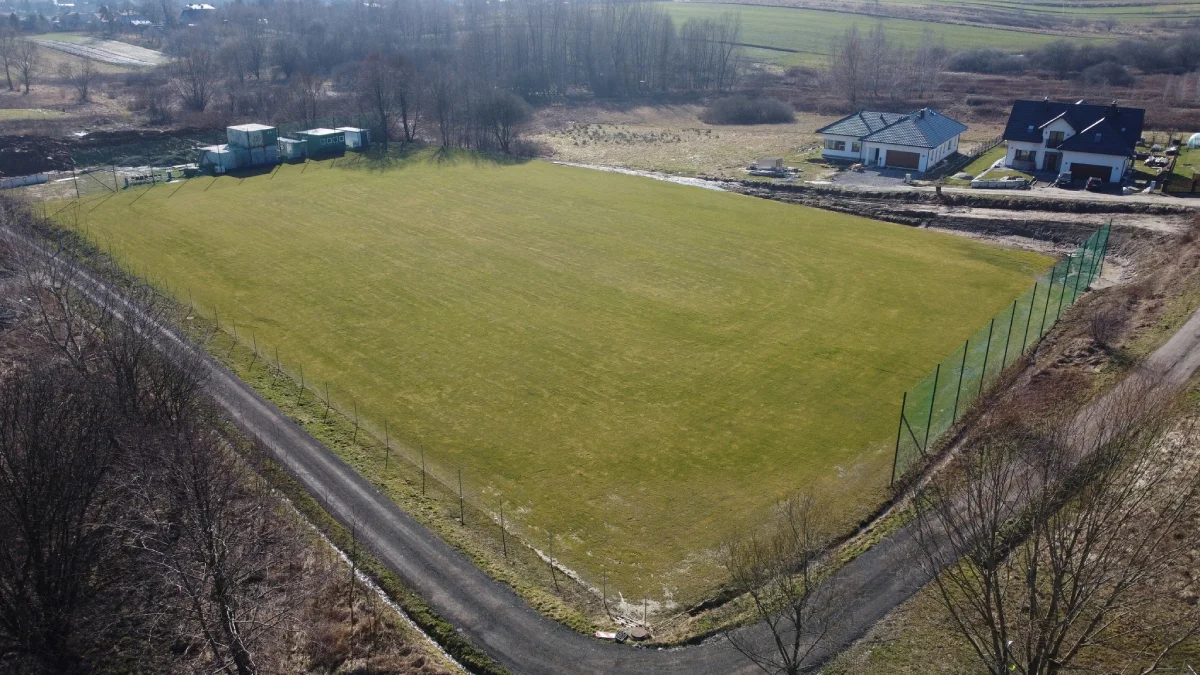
(1085, 140)
(917, 140)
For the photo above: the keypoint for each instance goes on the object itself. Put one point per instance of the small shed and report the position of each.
(218, 158)
(769, 163)
(251, 135)
(356, 139)
(291, 149)
(323, 141)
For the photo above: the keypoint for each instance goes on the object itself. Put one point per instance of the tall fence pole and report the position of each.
(1104, 249)
(1029, 317)
(932, 399)
(986, 351)
(962, 368)
(899, 431)
(1046, 309)
(1078, 276)
(1008, 338)
(1062, 296)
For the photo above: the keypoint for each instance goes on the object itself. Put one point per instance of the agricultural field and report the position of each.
(789, 36)
(110, 52)
(638, 367)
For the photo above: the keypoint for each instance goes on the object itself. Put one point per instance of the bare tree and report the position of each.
(847, 64)
(193, 76)
(778, 572)
(80, 76)
(445, 102)
(1052, 544)
(58, 510)
(409, 100)
(377, 92)
(28, 60)
(502, 114)
(309, 92)
(878, 56)
(8, 53)
(218, 544)
(59, 291)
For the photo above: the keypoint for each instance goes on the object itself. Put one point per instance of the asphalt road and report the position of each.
(489, 613)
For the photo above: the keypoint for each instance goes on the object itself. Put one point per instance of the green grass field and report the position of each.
(802, 37)
(640, 367)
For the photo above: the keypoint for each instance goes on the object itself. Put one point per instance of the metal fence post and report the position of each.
(1012, 318)
(1046, 308)
(1063, 294)
(1029, 317)
(932, 399)
(1104, 249)
(962, 368)
(899, 431)
(986, 351)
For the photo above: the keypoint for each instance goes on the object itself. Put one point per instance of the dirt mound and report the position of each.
(23, 155)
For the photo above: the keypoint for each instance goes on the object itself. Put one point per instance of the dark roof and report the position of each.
(861, 123)
(1110, 130)
(924, 128)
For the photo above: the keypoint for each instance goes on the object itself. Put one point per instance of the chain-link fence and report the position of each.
(931, 408)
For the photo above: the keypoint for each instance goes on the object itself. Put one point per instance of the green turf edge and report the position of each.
(437, 510)
(413, 605)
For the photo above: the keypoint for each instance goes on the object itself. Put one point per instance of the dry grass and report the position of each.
(672, 139)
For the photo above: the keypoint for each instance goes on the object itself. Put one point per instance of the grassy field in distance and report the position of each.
(637, 366)
(801, 37)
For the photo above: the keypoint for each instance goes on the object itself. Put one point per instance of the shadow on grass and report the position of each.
(402, 155)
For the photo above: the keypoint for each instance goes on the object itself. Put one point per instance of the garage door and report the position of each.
(1085, 171)
(903, 160)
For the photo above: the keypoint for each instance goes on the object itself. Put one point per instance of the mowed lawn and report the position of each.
(639, 367)
(802, 37)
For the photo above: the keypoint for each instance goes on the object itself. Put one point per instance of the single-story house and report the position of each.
(1085, 140)
(917, 140)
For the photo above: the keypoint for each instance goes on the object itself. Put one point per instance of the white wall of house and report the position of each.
(866, 154)
(943, 151)
(869, 154)
(847, 145)
(1057, 125)
(1010, 157)
(1116, 163)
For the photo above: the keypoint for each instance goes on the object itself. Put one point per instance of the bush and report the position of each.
(746, 110)
(1108, 73)
(988, 60)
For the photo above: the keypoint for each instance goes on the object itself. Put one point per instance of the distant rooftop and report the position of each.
(355, 129)
(320, 131)
(253, 126)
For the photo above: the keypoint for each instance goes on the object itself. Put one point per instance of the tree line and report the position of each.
(135, 535)
(460, 72)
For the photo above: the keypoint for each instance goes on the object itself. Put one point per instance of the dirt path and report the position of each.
(487, 612)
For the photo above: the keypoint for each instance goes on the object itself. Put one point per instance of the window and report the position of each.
(1025, 156)
(835, 145)
(856, 147)
(1056, 138)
